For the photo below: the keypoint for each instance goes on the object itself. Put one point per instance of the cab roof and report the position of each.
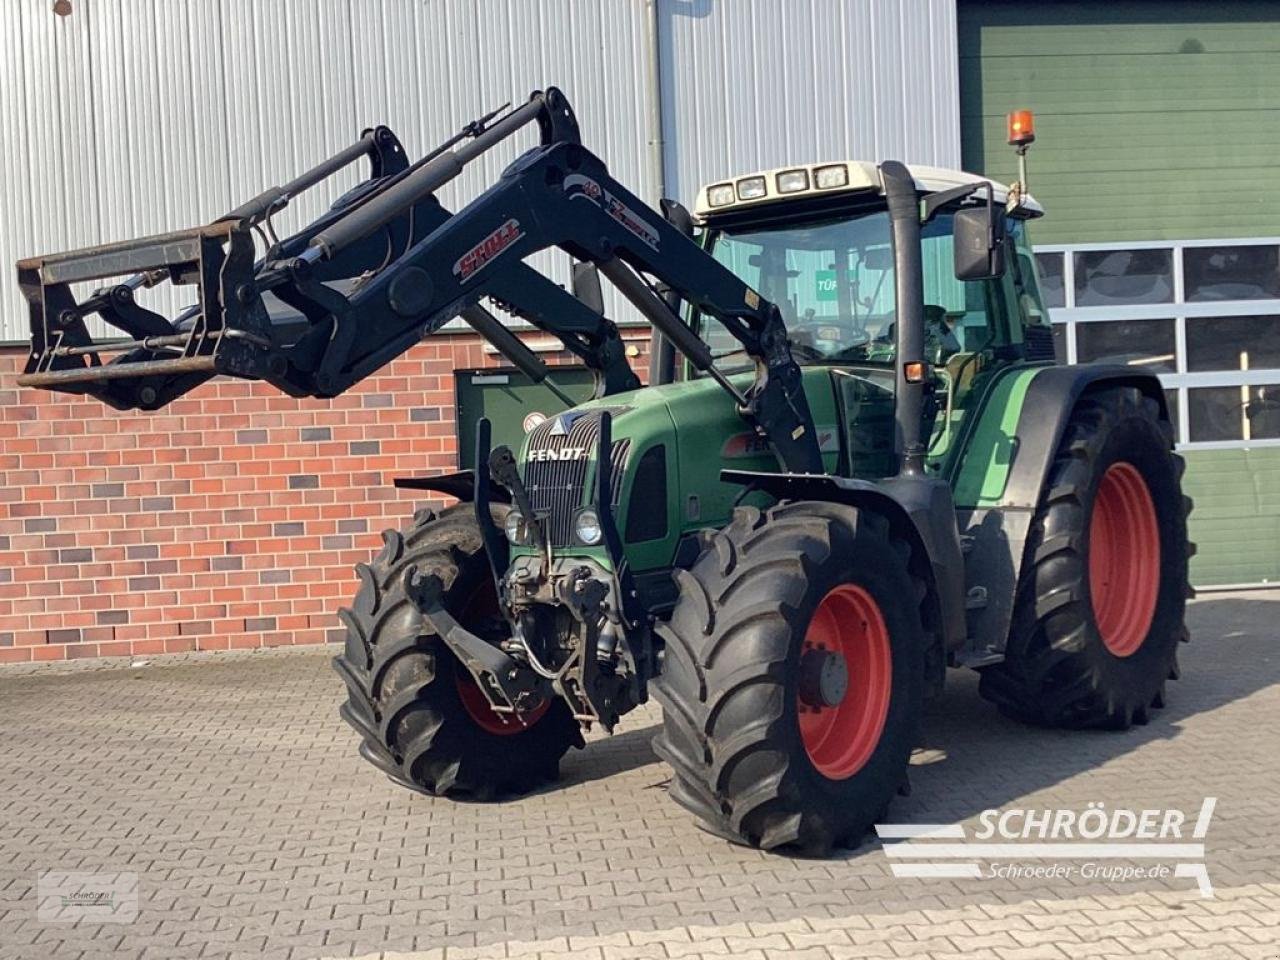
(836, 178)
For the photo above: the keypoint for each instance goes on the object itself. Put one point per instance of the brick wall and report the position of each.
(230, 518)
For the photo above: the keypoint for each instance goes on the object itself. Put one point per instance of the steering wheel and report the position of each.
(806, 334)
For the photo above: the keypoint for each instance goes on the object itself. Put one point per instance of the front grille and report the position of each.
(556, 486)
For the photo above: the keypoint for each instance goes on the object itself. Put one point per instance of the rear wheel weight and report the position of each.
(760, 753)
(423, 720)
(1102, 595)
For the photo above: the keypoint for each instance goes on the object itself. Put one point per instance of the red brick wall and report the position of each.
(230, 518)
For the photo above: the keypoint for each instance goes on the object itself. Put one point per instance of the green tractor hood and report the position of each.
(670, 443)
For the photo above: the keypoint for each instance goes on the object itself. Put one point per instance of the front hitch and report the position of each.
(509, 687)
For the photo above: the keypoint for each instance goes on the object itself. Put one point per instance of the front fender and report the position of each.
(919, 510)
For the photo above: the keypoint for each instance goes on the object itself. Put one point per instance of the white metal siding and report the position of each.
(754, 85)
(132, 117)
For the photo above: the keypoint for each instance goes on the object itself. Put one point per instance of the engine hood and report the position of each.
(670, 443)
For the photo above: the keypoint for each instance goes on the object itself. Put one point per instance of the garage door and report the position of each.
(1159, 129)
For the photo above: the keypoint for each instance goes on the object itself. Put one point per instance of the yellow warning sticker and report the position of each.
(752, 298)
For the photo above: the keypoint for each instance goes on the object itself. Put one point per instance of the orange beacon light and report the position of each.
(1022, 128)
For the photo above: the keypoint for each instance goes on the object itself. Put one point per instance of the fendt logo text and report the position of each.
(564, 453)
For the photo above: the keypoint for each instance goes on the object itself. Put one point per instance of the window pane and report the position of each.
(1231, 273)
(1149, 344)
(1233, 343)
(1111, 277)
(1224, 413)
(832, 281)
(1051, 279)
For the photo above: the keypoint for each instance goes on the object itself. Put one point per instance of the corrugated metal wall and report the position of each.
(131, 117)
(753, 85)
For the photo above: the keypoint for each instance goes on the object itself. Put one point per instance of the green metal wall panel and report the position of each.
(1236, 520)
(1154, 120)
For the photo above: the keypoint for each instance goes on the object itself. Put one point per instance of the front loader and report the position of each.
(856, 465)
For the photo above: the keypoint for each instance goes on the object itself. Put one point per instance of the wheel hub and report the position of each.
(842, 715)
(824, 678)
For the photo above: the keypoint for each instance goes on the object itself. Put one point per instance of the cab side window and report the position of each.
(968, 333)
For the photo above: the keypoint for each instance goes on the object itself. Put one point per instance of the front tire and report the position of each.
(1101, 602)
(423, 720)
(771, 743)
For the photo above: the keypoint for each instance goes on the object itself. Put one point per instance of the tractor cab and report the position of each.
(818, 241)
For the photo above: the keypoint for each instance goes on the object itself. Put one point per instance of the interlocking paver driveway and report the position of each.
(230, 787)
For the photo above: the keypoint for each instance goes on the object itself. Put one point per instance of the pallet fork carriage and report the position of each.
(788, 542)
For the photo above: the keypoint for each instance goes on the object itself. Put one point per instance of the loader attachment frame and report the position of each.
(558, 194)
(229, 329)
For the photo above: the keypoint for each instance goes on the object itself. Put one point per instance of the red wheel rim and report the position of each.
(1124, 559)
(840, 739)
(485, 604)
(488, 719)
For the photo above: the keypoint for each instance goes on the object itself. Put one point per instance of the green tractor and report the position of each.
(856, 464)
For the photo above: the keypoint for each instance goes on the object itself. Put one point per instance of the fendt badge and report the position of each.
(564, 453)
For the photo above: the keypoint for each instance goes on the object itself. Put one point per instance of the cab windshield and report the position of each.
(835, 284)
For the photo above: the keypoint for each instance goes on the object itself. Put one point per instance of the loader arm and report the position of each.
(558, 194)
(158, 360)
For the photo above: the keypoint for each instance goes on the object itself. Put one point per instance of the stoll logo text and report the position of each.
(1096, 843)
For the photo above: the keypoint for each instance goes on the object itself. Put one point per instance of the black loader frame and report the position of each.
(558, 194)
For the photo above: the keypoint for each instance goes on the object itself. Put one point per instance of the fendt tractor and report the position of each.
(856, 464)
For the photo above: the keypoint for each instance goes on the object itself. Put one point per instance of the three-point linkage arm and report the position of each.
(556, 195)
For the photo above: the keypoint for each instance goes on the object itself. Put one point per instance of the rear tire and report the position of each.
(1101, 601)
(423, 720)
(754, 759)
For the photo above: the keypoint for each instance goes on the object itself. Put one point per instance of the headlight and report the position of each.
(793, 181)
(751, 188)
(828, 178)
(721, 195)
(515, 528)
(586, 527)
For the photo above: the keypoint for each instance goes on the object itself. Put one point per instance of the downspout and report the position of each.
(653, 81)
(661, 354)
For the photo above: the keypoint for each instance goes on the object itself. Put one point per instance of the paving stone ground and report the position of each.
(231, 789)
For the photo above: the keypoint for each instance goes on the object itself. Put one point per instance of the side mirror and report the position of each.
(586, 285)
(980, 241)
(676, 214)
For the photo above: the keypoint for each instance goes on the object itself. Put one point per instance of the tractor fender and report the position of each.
(997, 533)
(1050, 399)
(919, 509)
